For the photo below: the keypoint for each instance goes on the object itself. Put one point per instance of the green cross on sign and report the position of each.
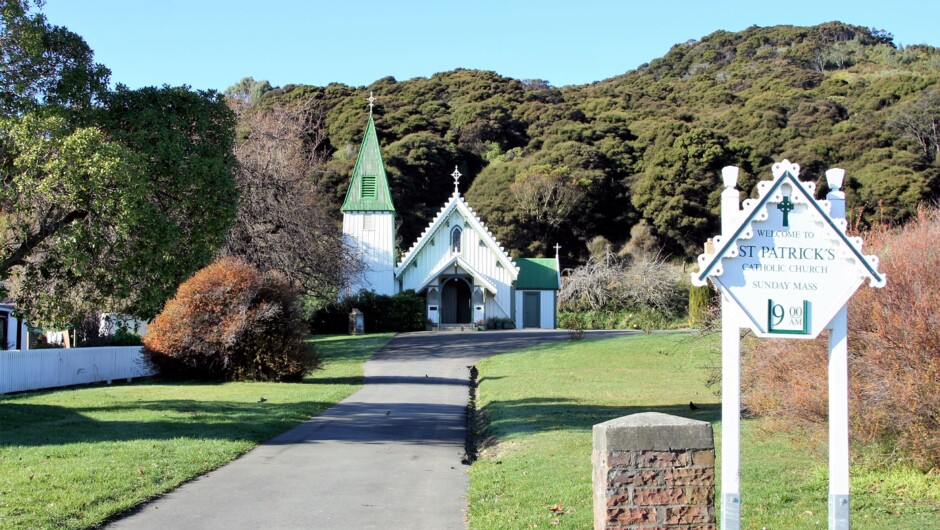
(786, 207)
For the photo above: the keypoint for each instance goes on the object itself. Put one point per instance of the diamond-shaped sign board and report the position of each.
(788, 264)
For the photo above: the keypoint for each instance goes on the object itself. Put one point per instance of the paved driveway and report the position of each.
(389, 456)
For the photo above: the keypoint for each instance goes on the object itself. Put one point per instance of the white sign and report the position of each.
(786, 262)
(788, 265)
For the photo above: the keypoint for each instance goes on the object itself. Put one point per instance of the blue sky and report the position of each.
(214, 43)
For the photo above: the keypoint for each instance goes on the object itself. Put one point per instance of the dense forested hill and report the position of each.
(638, 156)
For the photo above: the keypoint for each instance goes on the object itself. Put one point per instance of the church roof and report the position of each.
(462, 263)
(538, 273)
(456, 202)
(368, 188)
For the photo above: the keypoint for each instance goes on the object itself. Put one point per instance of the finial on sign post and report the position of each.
(836, 197)
(371, 100)
(834, 178)
(456, 175)
(729, 175)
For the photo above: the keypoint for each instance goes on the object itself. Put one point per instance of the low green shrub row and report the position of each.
(643, 318)
(397, 313)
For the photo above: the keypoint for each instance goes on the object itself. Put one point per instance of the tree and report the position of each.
(677, 193)
(247, 91)
(920, 121)
(109, 199)
(71, 203)
(44, 65)
(185, 139)
(114, 217)
(282, 223)
(547, 195)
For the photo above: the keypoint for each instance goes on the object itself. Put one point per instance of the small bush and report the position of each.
(611, 285)
(121, 337)
(700, 299)
(231, 322)
(894, 355)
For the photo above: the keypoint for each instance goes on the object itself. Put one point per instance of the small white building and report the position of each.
(464, 273)
(14, 334)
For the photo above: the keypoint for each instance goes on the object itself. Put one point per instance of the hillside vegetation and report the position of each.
(639, 155)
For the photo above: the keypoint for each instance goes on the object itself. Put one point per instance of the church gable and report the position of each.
(457, 231)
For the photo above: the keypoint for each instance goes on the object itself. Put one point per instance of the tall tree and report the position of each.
(283, 222)
(109, 199)
(186, 141)
(44, 65)
(71, 204)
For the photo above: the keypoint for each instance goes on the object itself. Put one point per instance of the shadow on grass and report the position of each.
(526, 416)
(33, 425)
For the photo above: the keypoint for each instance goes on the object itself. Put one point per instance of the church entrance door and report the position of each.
(455, 302)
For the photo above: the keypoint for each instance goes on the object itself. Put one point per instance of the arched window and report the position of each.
(455, 239)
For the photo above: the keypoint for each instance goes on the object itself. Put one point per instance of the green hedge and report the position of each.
(397, 313)
(643, 318)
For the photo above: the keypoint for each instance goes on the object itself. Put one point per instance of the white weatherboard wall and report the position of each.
(373, 235)
(432, 256)
(38, 369)
(546, 308)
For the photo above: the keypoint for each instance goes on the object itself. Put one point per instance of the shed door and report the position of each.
(530, 310)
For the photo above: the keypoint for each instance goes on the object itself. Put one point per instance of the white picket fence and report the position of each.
(36, 369)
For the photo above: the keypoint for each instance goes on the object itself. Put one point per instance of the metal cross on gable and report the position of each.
(456, 175)
(371, 100)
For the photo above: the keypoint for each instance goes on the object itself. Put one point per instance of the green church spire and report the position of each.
(368, 188)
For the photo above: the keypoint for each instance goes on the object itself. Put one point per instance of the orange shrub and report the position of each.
(894, 354)
(231, 322)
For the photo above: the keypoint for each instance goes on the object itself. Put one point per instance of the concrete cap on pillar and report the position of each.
(652, 431)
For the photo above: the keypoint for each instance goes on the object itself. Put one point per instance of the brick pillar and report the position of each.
(654, 470)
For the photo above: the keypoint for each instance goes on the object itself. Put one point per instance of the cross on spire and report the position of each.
(557, 247)
(371, 100)
(456, 175)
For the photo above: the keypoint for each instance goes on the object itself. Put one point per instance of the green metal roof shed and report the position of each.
(537, 274)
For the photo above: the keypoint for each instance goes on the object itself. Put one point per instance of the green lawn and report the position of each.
(72, 458)
(541, 403)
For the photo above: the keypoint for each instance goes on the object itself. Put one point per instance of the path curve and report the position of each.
(389, 456)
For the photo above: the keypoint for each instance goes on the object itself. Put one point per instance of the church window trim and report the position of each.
(455, 236)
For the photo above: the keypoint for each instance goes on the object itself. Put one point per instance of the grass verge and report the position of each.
(541, 403)
(72, 458)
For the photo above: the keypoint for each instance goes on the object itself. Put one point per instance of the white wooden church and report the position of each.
(456, 264)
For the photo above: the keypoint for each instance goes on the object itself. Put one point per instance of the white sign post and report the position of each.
(785, 269)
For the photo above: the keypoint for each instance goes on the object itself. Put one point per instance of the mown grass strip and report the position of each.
(541, 403)
(74, 457)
